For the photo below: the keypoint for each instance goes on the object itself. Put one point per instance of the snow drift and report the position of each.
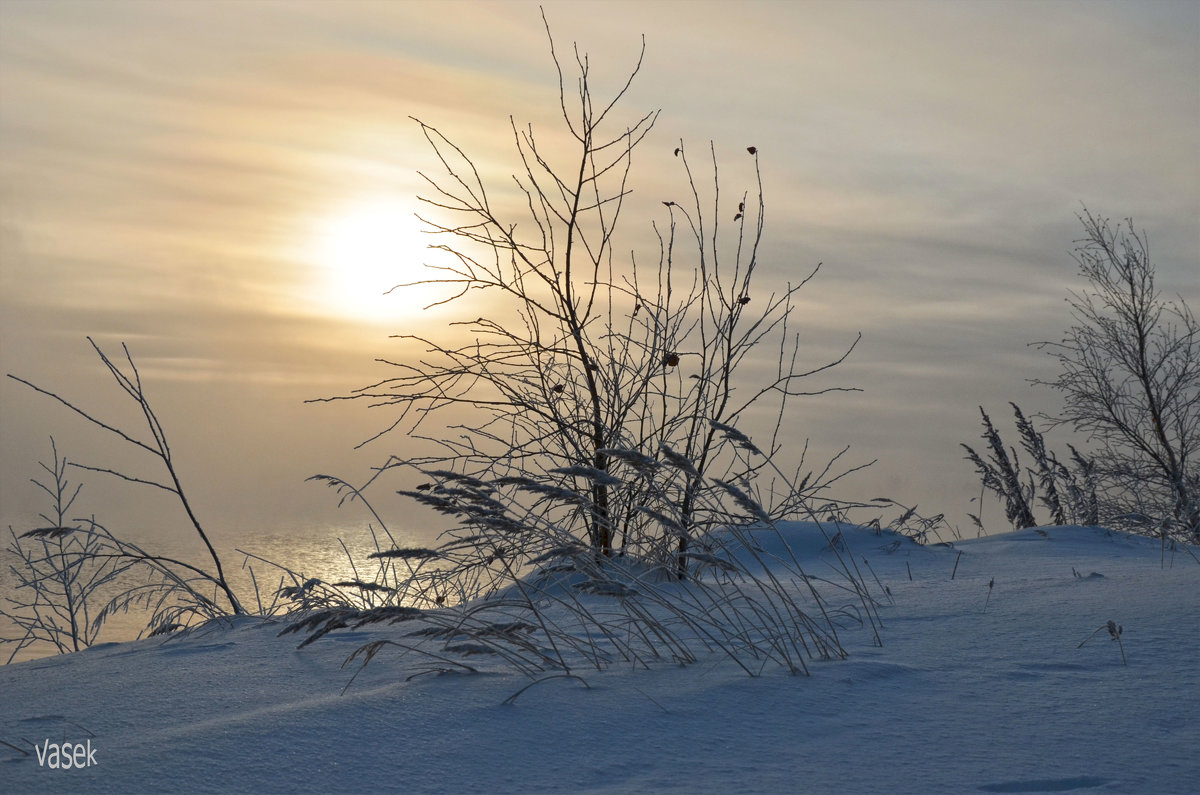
(981, 685)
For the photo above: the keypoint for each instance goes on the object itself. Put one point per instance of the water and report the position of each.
(310, 552)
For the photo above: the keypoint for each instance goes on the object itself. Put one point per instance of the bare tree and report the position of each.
(1130, 381)
(600, 454)
(595, 364)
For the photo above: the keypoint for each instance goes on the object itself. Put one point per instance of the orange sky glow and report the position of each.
(229, 188)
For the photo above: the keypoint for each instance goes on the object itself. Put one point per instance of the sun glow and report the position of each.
(364, 250)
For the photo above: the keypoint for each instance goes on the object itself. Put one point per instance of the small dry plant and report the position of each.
(1114, 632)
(1066, 490)
(545, 604)
(71, 565)
(57, 582)
(74, 574)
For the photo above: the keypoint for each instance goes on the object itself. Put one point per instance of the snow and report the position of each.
(961, 697)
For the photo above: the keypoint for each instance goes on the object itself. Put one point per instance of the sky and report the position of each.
(220, 185)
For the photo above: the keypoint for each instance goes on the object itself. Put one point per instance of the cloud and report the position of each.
(163, 164)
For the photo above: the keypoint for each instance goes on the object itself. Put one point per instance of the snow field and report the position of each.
(960, 698)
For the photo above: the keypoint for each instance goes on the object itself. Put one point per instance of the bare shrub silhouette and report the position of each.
(603, 397)
(1130, 383)
(595, 363)
(80, 555)
(54, 601)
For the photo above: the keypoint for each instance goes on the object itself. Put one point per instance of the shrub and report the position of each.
(603, 397)
(1130, 383)
(80, 559)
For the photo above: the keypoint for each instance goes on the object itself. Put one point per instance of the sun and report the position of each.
(363, 250)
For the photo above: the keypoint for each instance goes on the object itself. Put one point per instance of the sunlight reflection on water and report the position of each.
(310, 552)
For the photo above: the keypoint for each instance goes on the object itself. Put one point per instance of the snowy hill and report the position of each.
(980, 686)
